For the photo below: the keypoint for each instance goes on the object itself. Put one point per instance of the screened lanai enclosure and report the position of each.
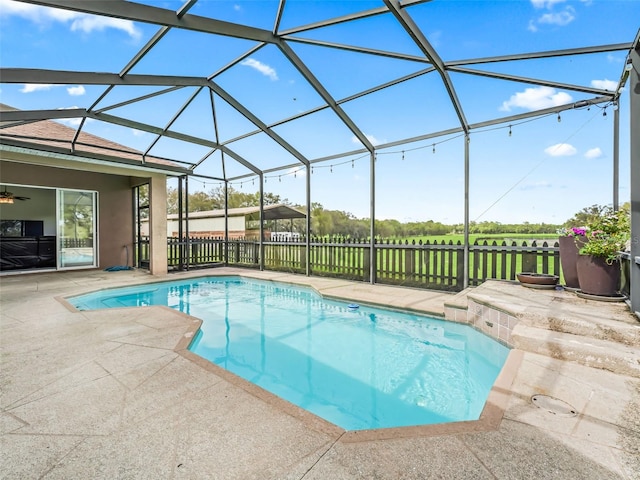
(415, 109)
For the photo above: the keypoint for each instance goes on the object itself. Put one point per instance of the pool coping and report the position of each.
(490, 417)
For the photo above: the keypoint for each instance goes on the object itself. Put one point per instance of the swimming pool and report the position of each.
(359, 368)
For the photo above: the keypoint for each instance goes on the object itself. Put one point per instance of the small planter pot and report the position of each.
(597, 277)
(538, 280)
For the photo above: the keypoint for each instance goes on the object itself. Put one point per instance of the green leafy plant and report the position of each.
(607, 234)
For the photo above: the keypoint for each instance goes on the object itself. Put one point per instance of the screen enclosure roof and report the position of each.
(231, 90)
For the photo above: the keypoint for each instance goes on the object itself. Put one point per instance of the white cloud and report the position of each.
(71, 122)
(593, 153)
(138, 133)
(605, 84)
(39, 87)
(561, 19)
(545, 3)
(89, 23)
(611, 58)
(76, 91)
(561, 150)
(373, 140)
(263, 68)
(558, 18)
(78, 21)
(35, 87)
(536, 98)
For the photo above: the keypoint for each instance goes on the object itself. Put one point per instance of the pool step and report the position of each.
(586, 324)
(592, 352)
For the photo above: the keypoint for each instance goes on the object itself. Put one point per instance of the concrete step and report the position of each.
(585, 323)
(592, 352)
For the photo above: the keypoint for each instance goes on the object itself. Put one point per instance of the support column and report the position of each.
(308, 225)
(261, 244)
(226, 223)
(372, 226)
(465, 282)
(186, 220)
(616, 156)
(180, 224)
(158, 225)
(634, 113)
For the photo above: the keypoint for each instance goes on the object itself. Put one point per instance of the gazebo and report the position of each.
(120, 93)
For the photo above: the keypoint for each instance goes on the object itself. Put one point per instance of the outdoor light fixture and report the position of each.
(4, 199)
(509, 130)
(559, 118)
(629, 65)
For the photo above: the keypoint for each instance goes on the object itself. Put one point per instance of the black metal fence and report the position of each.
(431, 265)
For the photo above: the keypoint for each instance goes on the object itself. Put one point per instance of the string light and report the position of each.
(604, 112)
(404, 151)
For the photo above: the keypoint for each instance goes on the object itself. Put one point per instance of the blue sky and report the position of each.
(545, 171)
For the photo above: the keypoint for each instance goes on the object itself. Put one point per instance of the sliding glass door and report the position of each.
(76, 229)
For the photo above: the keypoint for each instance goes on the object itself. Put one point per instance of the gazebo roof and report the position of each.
(271, 212)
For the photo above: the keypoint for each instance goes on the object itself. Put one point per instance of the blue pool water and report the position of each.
(359, 368)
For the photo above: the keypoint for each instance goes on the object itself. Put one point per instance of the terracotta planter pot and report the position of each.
(537, 278)
(596, 277)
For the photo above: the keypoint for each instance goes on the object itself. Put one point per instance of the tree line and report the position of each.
(338, 222)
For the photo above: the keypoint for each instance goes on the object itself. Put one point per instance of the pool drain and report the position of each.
(553, 405)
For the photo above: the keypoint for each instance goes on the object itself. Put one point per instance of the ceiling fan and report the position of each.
(8, 197)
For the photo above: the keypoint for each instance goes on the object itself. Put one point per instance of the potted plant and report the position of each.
(570, 240)
(598, 264)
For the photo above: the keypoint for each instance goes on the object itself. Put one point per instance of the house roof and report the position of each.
(54, 137)
(271, 212)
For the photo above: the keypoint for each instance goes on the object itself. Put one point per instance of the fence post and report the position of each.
(366, 263)
(409, 263)
(529, 258)
(460, 270)
(256, 253)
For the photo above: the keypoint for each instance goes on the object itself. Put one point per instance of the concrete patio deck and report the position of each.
(113, 394)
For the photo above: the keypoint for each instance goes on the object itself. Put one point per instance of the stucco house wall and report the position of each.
(115, 209)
